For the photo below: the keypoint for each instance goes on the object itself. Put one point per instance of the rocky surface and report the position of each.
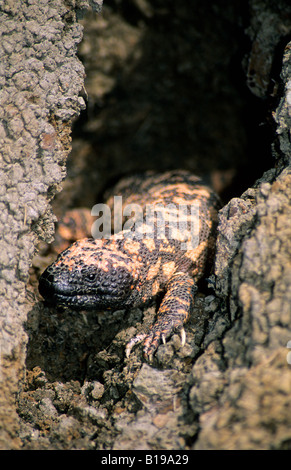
(65, 383)
(41, 79)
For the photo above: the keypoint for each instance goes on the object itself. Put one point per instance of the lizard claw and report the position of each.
(183, 337)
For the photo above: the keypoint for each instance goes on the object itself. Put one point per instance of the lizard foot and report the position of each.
(152, 341)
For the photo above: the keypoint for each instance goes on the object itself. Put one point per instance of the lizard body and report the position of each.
(135, 265)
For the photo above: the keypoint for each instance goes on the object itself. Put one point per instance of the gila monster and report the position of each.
(128, 269)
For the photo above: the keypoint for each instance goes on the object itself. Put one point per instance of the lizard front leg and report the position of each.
(172, 314)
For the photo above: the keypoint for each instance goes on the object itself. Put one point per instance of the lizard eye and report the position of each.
(91, 277)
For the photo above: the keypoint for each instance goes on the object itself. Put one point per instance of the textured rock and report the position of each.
(249, 407)
(41, 79)
(269, 27)
(158, 391)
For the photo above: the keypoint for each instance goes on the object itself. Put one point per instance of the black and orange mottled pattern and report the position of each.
(127, 269)
(74, 225)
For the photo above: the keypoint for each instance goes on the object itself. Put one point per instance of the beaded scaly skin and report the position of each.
(129, 269)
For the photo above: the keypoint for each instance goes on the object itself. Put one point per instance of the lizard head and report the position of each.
(90, 275)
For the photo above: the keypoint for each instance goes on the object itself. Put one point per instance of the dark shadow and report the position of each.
(182, 100)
